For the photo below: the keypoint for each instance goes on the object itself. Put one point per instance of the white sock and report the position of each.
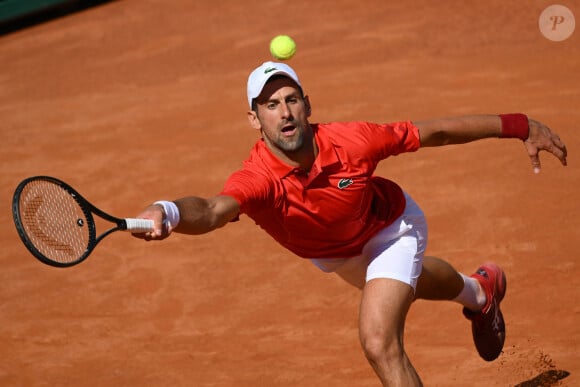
(472, 295)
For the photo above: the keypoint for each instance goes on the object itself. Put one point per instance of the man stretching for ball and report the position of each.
(312, 188)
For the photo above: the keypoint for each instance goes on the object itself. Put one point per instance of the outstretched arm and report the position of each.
(459, 130)
(193, 215)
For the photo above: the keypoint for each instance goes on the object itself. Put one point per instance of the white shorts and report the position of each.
(396, 252)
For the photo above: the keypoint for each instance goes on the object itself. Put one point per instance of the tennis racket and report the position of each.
(57, 225)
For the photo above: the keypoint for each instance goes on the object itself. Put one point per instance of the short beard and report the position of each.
(290, 146)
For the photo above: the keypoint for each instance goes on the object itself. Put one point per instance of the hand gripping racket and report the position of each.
(56, 223)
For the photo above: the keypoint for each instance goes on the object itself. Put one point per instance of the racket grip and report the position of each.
(135, 225)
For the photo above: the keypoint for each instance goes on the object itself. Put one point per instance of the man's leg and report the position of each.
(438, 280)
(384, 306)
(383, 311)
(480, 294)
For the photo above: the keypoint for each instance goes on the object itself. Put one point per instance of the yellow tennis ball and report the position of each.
(282, 47)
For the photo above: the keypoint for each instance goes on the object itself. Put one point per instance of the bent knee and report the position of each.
(381, 349)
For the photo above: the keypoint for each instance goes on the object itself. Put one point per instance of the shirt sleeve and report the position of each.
(383, 140)
(250, 189)
(397, 138)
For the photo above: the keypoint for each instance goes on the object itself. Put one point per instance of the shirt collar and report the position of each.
(327, 155)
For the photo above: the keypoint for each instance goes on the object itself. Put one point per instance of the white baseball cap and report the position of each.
(267, 70)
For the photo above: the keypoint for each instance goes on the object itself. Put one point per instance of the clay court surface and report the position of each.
(136, 101)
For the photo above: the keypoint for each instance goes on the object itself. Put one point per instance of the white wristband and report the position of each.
(171, 213)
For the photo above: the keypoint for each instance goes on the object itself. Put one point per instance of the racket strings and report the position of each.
(54, 221)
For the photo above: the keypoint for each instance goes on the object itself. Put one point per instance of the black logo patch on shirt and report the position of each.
(343, 183)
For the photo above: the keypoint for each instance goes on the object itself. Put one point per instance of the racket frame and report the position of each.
(86, 207)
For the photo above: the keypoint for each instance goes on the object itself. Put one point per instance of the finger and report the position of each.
(561, 154)
(140, 235)
(558, 148)
(147, 236)
(533, 152)
(564, 155)
(536, 164)
(158, 229)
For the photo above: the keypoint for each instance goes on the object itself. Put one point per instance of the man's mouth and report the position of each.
(288, 130)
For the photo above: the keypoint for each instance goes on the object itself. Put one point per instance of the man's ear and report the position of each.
(307, 106)
(254, 120)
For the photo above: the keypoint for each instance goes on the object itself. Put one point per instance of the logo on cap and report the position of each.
(270, 69)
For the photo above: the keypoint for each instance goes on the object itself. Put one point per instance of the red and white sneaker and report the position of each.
(487, 325)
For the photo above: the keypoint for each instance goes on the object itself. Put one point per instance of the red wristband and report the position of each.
(514, 126)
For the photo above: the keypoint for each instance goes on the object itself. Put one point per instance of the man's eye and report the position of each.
(271, 106)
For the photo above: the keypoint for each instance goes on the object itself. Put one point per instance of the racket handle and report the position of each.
(135, 225)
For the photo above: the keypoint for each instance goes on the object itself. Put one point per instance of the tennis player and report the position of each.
(311, 186)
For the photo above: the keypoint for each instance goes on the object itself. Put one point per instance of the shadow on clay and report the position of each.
(545, 379)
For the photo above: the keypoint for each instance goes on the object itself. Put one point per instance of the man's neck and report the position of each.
(302, 158)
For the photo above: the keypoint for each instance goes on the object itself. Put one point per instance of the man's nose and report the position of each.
(285, 110)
